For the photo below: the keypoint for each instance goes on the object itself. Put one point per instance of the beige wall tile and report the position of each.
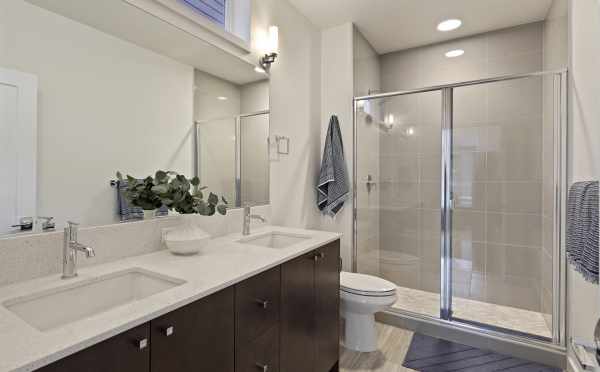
(515, 229)
(470, 196)
(468, 225)
(514, 197)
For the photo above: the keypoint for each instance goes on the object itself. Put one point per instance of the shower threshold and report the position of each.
(520, 321)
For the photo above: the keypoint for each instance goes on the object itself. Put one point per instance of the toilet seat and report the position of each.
(366, 285)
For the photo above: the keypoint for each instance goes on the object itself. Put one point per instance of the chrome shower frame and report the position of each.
(557, 344)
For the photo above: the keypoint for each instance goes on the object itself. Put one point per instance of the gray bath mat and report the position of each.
(429, 354)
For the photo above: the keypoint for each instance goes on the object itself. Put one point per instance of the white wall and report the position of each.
(583, 299)
(104, 105)
(336, 95)
(254, 97)
(295, 112)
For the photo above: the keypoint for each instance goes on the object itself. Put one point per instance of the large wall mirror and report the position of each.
(84, 100)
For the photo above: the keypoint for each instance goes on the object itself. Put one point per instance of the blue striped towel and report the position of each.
(333, 188)
(582, 229)
(129, 212)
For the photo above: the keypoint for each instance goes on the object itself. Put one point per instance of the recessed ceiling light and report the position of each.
(449, 25)
(455, 53)
(222, 98)
(260, 70)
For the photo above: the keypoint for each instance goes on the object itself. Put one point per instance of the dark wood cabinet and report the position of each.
(284, 319)
(298, 314)
(327, 323)
(197, 337)
(127, 352)
(310, 311)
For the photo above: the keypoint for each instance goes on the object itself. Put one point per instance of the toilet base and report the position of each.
(359, 332)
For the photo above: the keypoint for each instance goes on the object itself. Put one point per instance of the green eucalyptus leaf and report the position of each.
(202, 208)
(160, 189)
(222, 209)
(211, 210)
(195, 181)
(213, 199)
(160, 175)
(223, 199)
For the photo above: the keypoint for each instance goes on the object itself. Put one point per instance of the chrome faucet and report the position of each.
(70, 248)
(248, 217)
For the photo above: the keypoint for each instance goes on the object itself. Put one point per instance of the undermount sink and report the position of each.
(69, 303)
(275, 239)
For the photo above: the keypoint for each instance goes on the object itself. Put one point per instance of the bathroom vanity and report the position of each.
(265, 302)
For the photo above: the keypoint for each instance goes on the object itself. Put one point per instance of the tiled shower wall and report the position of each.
(497, 232)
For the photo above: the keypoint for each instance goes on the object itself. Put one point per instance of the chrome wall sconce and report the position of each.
(269, 46)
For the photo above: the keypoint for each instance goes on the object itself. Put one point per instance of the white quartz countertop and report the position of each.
(223, 263)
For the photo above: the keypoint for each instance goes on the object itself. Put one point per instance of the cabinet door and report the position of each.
(127, 352)
(257, 302)
(298, 314)
(198, 337)
(327, 292)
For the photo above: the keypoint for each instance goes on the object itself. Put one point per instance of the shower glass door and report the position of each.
(398, 167)
(502, 186)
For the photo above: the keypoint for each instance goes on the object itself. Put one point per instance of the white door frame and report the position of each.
(27, 88)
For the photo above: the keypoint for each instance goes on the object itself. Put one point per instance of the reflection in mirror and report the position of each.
(92, 97)
(232, 127)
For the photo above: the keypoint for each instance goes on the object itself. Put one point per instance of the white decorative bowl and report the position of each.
(186, 239)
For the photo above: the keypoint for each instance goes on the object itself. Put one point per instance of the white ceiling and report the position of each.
(392, 25)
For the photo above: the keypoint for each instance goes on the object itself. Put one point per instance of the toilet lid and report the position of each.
(366, 285)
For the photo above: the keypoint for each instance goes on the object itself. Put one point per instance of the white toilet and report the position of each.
(361, 296)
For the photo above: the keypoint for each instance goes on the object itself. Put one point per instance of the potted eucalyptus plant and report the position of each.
(179, 194)
(174, 191)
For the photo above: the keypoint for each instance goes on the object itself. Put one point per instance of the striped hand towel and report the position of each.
(582, 229)
(333, 188)
(129, 212)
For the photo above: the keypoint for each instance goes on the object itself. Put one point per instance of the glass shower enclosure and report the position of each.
(458, 199)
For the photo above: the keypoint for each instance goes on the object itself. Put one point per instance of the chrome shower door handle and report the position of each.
(370, 183)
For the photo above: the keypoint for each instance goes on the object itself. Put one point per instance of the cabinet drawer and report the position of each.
(257, 302)
(126, 352)
(260, 355)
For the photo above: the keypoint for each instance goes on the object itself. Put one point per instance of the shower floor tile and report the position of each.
(428, 303)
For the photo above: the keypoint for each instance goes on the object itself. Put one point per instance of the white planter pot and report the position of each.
(187, 238)
(149, 213)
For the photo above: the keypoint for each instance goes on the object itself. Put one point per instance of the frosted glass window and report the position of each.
(215, 10)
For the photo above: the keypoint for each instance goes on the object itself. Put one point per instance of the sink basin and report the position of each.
(59, 306)
(275, 239)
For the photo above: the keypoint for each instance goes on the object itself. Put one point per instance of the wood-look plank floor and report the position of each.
(393, 344)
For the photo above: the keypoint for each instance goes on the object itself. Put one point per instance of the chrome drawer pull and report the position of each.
(142, 344)
(262, 303)
(263, 367)
(169, 331)
(318, 256)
